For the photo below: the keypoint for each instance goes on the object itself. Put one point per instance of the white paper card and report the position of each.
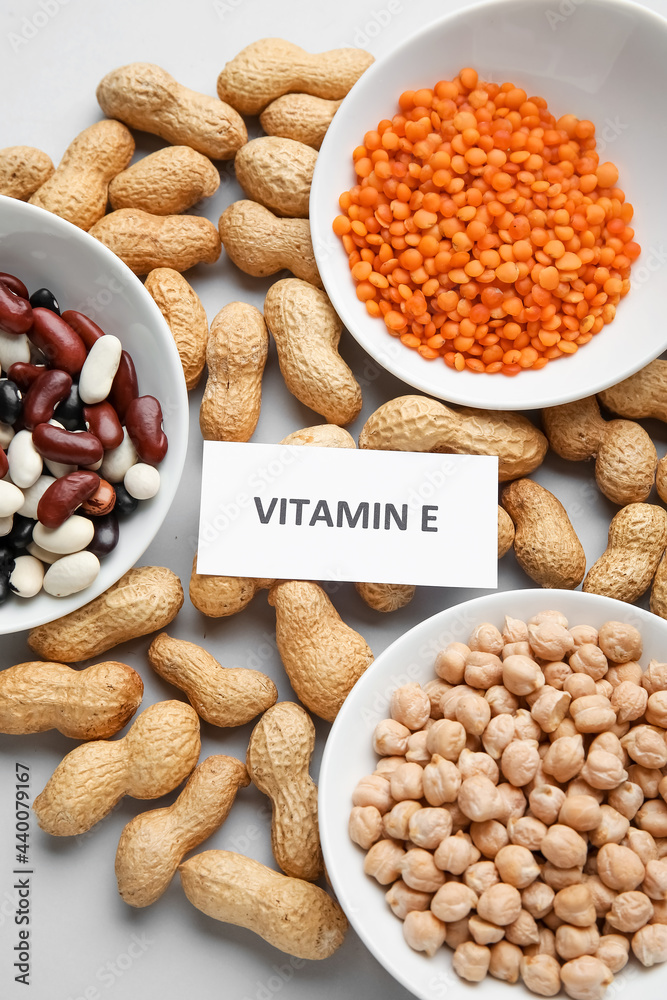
(302, 513)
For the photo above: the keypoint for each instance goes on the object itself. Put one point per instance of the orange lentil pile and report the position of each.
(485, 232)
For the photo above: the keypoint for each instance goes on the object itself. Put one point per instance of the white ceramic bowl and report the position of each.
(349, 755)
(597, 59)
(45, 251)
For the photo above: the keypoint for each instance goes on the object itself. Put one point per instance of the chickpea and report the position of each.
(581, 812)
(661, 846)
(541, 777)
(656, 709)
(484, 932)
(589, 659)
(473, 743)
(649, 944)
(613, 950)
(383, 861)
(629, 701)
(643, 844)
(428, 826)
(486, 638)
(573, 942)
(584, 633)
(525, 726)
(519, 761)
(505, 961)
(566, 728)
(620, 642)
(423, 931)
(479, 799)
(390, 738)
(500, 904)
(471, 961)
(498, 734)
(395, 823)
(603, 770)
(528, 831)
(451, 698)
(523, 931)
(470, 764)
(564, 847)
(447, 738)
(585, 978)
(517, 866)
(630, 671)
(407, 782)
(611, 743)
(592, 713)
(602, 895)
(419, 870)
(514, 630)
(559, 878)
(611, 829)
(450, 662)
(489, 836)
(373, 790)
(417, 752)
(435, 690)
(580, 787)
(580, 685)
(648, 779)
(552, 922)
(655, 883)
(565, 757)
(538, 899)
(481, 876)
(646, 746)
(501, 700)
(460, 822)
(410, 705)
(619, 867)
(513, 802)
(402, 899)
(458, 933)
(474, 713)
(660, 911)
(574, 905)
(549, 640)
(654, 677)
(516, 649)
(546, 803)
(541, 974)
(630, 911)
(387, 765)
(549, 616)
(604, 688)
(557, 673)
(441, 781)
(364, 826)
(483, 670)
(662, 788)
(453, 901)
(653, 817)
(454, 854)
(546, 944)
(522, 675)
(550, 708)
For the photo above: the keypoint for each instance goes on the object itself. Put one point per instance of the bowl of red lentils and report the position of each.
(484, 214)
(493, 800)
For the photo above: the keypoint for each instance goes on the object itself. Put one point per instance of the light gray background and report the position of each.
(86, 942)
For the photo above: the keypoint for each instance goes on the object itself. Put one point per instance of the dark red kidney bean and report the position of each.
(106, 535)
(58, 342)
(15, 311)
(124, 387)
(87, 330)
(41, 399)
(144, 425)
(102, 501)
(70, 447)
(24, 374)
(103, 422)
(62, 498)
(14, 284)
(44, 298)
(4, 464)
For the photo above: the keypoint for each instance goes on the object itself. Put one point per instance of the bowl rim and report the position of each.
(387, 353)
(179, 418)
(485, 608)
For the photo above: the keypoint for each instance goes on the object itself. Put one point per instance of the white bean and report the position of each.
(25, 462)
(13, 347)
(99, 369)
(143, 481)
(74, 534)
(118, 460)
(11, 499)
(32, 495)
(27, 576)
(71, 574)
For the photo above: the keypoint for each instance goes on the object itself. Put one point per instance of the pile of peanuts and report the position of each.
(519, 809)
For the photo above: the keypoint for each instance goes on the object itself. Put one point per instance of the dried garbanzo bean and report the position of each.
(500, 904)
(410, 705)
(453, 901)
(619, 867)
(538, 899)
(505, 961)
(402, 899)
(423, 931)
(471, 961)
(365, 826)
(383, 861)
(585, 978)
(441, 780)
(541, 974)
(620, 642)
(613, 950)
(395, 822)
(419, 870)
(649, 944)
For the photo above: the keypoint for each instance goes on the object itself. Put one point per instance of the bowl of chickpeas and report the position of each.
(485, 219)
(493, 799)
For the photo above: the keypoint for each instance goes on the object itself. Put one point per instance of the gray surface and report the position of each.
(85, 941)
